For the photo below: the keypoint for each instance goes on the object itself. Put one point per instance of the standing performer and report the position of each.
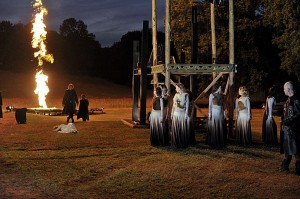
(269, 127)
(83, 111)
(216, 135)
(158, 134)
(190, 125)
(243, 117)
(291, 129)
(166, 98)
(179, 116)
(70, 100)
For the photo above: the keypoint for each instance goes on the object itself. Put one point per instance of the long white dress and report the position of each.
(179, 132)
(158, 133)
(269, 128)
(216, 123)
(243, 125)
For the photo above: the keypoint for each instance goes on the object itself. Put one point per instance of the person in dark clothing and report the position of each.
(1, 113)
(83, 111)
(70, 100)
(290, 142)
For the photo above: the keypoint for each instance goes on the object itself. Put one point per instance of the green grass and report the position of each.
(108, 159)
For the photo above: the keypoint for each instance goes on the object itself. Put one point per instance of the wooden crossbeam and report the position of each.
(171, 81)
(157, 69)
(208, 87)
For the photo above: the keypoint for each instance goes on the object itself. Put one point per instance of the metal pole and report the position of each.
(167, 44)
(154, 40)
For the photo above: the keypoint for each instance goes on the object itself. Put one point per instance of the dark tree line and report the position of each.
(75, 51)
(267, 43)
(267, 38)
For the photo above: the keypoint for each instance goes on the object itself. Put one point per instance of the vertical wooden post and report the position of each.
(213, 36)
(154, 40)
(193, 86)
(143, 79)
(195, 35)
(135, 81)
(167, 45)
(230, 100)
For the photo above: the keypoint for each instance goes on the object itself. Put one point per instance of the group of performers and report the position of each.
(180, 131)
(175, 127)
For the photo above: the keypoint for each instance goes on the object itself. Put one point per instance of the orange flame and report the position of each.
(38, 41)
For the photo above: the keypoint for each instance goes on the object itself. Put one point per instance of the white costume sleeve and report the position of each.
(210, 99)
(161, 109)
(270, 107)
(236, 108)
(247, 101)
(187, 104)
(174, 104)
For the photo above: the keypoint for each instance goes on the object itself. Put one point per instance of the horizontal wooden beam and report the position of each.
(157, 69)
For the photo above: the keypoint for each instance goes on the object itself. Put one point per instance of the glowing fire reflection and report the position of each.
(38, 41)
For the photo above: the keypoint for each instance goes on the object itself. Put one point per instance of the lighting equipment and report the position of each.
(9, 108)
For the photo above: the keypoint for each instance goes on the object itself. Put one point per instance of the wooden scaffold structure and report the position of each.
(167, 69)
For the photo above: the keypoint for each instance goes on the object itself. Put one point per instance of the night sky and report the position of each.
(107, 19)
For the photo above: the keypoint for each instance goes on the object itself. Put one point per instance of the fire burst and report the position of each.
(38, 42)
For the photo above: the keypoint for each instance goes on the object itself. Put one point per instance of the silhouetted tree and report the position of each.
(283, 17)
(81, 50)
(15, 46)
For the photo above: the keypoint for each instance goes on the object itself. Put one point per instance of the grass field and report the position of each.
(107, 159)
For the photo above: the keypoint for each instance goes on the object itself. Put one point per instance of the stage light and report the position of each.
(9, 108)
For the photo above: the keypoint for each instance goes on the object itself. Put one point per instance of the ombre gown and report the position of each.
(243, 125)
(166, 118)
(158, 133)
(179, 132)
(190, 124)
(269, 127)
(216, 135)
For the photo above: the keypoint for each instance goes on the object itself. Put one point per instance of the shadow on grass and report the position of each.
(200, 148)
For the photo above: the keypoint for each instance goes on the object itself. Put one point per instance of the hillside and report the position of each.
(19, 88)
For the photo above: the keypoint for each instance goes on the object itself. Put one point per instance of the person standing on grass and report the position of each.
(1, 103)
(290, 126)
(69, 102)
(167, 122)
(83, 111)
(269, 127)
(179, 116)
(243, 117)
(216, 135)
(190, 124)
(158, 134)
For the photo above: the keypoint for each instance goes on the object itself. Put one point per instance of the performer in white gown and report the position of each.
(179, 116)
(243, 117)
(269, 127)
(216, 135)
(190, 118)
(167, 121)
(158, 134)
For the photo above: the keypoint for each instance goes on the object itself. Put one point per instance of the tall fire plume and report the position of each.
(38, 42)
